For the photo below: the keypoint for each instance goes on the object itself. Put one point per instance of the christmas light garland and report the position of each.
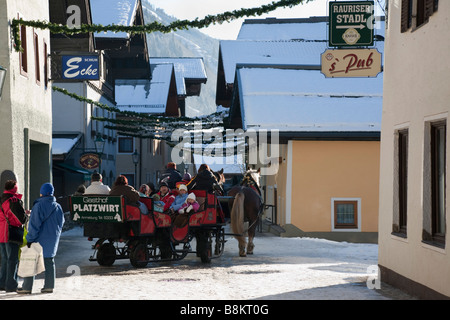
(151, 27)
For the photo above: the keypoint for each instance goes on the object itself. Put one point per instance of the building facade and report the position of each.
(74, 131)
(413, 240)
(329, 128)
(324, 181)
(26, 101)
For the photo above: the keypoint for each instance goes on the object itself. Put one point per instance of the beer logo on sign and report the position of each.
(351, 36)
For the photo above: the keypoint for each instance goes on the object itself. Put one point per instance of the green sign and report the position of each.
(96, 209)
(351, 23)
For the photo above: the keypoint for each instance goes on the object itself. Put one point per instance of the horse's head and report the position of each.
(219, 176)
(220, 179)
(254, 175)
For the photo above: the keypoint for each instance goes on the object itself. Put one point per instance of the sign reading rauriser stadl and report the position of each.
(351, 23)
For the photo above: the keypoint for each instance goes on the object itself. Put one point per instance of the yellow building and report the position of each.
(326, 182)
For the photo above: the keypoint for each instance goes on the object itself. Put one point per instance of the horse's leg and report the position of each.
(251, 236)
(242, 247)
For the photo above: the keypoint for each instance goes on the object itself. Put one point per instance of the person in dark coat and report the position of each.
(204, 180)
(171, 175)
(12, 208)
(121, 188)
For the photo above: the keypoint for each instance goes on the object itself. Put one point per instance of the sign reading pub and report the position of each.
(351, 23)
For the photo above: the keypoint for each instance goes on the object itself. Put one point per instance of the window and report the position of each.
(423, 10)
(37, 65)
(438, 181)
(45, 65)
(402, 181)
(406, 13)
(126, 145)
(23, 56)
(345, 214)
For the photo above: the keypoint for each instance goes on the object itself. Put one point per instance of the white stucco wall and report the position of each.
(25, 108)
(416, 91)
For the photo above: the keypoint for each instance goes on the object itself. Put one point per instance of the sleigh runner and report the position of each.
(125, 232)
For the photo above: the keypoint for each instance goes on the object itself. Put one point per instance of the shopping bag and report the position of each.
(31, 261)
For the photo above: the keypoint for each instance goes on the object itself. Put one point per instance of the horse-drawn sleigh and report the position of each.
(125, 232)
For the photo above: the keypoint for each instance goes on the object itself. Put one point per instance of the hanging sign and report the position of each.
(351, 23)
(82, 67)
(96, 209)
(90, 161)
(351, 63)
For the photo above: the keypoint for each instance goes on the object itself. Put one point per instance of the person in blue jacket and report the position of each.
(45, 227)
(180, 199)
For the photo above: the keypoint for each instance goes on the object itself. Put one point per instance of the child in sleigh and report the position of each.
(189, 206)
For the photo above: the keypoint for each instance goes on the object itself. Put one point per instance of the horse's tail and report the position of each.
(237, 218)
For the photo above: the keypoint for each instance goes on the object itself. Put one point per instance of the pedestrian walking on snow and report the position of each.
(45, 227)
(13, 213)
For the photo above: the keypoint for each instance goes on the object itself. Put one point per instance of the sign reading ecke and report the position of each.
(351, 63)
(351, 23)
(80, 67)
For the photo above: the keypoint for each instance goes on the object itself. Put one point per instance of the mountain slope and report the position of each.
(186, 43)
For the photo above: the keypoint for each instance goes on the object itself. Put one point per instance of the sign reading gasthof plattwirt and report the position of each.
(96, 209)
(351, 23)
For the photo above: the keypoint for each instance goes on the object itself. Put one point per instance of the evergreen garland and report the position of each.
(145, 125)
(151, 27)
(139, 124)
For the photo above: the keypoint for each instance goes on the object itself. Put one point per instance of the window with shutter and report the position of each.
(406, 20)
(425, 9)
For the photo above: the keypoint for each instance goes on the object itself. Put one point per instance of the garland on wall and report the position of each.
(151, 27)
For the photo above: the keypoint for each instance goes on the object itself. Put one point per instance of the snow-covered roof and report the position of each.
(293, 100)
(313, 28)
(145, 96)
(236, 52)
(306, 53)
(280, 42)
(63, 144)
(185, 69)
(118, 12)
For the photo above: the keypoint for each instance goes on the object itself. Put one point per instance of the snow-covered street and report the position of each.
(280, 269)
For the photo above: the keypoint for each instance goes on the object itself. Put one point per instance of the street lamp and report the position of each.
(2, 79)
(99, 146)
(99, 143)
(135, 157)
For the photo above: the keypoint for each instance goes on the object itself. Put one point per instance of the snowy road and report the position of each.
(280, 269)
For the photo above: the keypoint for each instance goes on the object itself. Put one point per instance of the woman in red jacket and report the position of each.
(11, 209)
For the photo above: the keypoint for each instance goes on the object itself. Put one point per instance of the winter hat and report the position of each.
(187, 176)
(182, 187)
(163, 184)
(47, 189)
(191, 196)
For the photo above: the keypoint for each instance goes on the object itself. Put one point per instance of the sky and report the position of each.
(191, 9)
